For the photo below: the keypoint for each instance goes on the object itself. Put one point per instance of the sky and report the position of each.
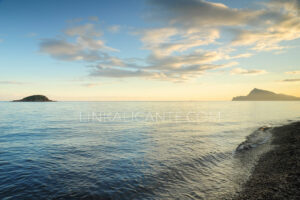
(140, 50)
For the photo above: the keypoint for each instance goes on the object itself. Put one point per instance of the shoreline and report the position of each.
(277, 172)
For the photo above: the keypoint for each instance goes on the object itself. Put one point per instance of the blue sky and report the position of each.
(148, 49)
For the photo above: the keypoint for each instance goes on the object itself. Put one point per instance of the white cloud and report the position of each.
(243, 55)
(247, 72)
(267, 40)
(280, 22)
(191, 59)
(175, 75)
(114, 72)
(176, 46)
(287, 5)
(168, 68)
(114, 28)
(88, 30)
(263, 28)
(165, 41)
(87, 46)
(293, 72)
(63, 50)
(170, 58)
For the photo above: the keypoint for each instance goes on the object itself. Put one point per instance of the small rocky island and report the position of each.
(34, 98)
(264, 95)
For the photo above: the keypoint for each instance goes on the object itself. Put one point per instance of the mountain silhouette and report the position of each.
(264, 95)
(34, 98)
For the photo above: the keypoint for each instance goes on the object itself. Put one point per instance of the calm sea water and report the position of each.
(130, 150)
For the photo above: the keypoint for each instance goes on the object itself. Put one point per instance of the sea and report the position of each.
(134, 150)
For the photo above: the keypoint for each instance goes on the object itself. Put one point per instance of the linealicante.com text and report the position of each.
(150, 116)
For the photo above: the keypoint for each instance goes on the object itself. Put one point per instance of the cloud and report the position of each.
(87, 46)
(88, 30)
(169, 68)
(263, 29)
(247, 72)
(31, 34)
(63, 50)
(280, 21)
(11, 83)
(1, 40)
(114, 72)
(290, 5)
(94, 18)
(190, 59)
(266, 40)
(195, 13)
(165, 41)
(174, 75)
(75, 20)
(293, 72)
(243, 55)
(114, 28)
(172, 56)
(291, 80)
(90, 85)
(188, 39)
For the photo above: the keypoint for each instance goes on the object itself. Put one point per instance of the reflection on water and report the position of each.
(47, 152)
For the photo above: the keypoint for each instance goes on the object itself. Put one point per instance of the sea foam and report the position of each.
(258, 137)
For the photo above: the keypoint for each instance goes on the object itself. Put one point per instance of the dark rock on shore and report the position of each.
(277, 174)
(34, 98)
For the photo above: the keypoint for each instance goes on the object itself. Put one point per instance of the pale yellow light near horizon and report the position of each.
(128, 92)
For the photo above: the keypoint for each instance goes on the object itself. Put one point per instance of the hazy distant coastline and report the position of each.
(264, 95)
